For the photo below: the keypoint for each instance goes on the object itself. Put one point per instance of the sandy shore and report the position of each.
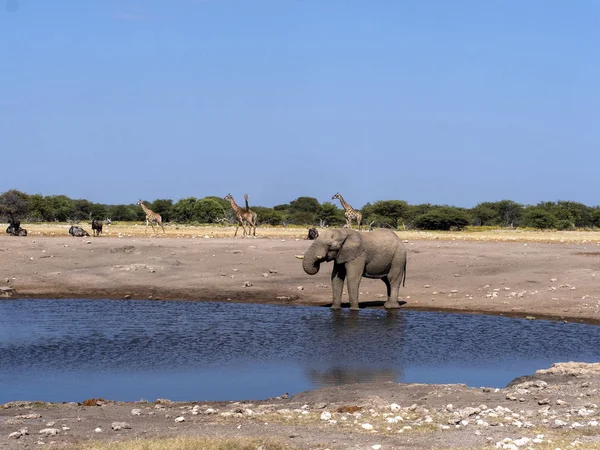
(512, 277)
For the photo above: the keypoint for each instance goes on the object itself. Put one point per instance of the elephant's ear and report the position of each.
(351, 249)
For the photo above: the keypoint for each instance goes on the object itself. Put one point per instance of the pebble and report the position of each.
(98, 430)
(120, 426)
(136, 412)
(49, 431)
(325, 415)
(180, 419)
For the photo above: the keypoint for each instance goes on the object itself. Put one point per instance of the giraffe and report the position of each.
(151, 217)
(252, 216)
(243, 215)
(350, 213)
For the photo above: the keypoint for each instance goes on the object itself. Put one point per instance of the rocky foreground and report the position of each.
(554, 408)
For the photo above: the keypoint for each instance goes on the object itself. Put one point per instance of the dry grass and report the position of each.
(187, 443)
(138, 229)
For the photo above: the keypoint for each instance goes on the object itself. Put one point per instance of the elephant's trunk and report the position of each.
(312, 259)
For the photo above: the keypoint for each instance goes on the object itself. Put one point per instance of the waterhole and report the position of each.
(73, 349)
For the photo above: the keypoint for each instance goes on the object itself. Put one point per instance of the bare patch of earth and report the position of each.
(555, 405)
(526, 279)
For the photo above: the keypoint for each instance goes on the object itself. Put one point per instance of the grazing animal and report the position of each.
(312, 234)
(14, 228)
(243, 216)
(151, 217)
(350, 213)
(107, 221)
(77, 231)
(96, 227)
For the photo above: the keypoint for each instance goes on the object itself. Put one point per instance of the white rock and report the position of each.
(521, 442)
(98, 430)
(325, 415)
(210, 411)
(120, 426)
(367, 426)
(376, 447)
(14, 435)
(136, 412)
(180, 419)
(394, 407)
(49, 431)
(50, 424)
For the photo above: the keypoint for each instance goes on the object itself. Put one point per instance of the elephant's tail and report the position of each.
(404, 276)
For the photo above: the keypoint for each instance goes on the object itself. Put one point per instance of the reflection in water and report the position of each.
(69, 350)
(359, 349)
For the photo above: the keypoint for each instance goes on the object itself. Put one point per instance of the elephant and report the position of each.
(378, 254)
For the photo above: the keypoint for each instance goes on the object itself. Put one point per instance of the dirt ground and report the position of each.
(536, 275)
(514, 276)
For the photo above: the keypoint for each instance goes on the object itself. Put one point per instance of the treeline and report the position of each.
(308, 211)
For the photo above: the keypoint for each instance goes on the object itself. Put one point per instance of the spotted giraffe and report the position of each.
(253, 216)
(243, 215)
(151, 217)
(350, 213)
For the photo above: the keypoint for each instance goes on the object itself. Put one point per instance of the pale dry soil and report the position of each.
(535, 275)
(523, 275)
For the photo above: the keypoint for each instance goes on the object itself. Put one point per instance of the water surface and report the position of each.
(70, 350)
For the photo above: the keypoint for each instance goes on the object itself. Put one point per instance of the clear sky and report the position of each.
(430, 101)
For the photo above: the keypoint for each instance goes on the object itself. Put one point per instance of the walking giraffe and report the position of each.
(252, 216)
(350, 213)
(243, 215)
(151, 217)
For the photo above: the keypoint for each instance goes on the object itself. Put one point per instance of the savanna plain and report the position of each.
(527, 274)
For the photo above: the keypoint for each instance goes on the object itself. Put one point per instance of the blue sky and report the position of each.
(429, 101)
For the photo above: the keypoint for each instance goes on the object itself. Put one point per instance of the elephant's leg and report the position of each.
(354, 275)
(393, 288)
(338, 275)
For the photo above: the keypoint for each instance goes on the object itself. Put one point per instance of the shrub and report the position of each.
(442, 218)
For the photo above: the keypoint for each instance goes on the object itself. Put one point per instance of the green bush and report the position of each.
(443, 218)
(538, 217)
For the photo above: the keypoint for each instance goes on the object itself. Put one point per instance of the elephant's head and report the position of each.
(341, 245)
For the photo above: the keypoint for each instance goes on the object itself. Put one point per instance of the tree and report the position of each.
(184, 209)
(443, 218)
(330, 214)
(510, 212)
(39, 209)
(164, 207)
(61, 208)
(304, 204)
(81, 209)
(14, 204)
(539, 217)
(123, 212)
(485, 214)
(393, 210)
(208, 210)
(268, 216)
(303, 211)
